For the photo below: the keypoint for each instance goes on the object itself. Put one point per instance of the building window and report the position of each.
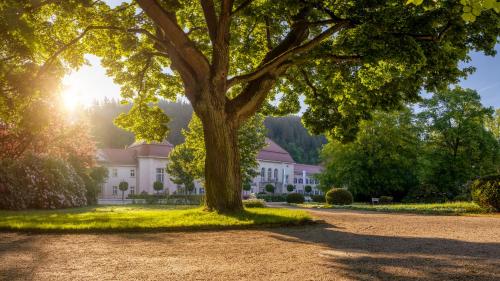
(286, 178)
(114, 172)
(132, 190)
(294, 180)
(276, 174)
(202, 190)
(263, 174)
(307, 180)
(160, 174)
(269, 174)
(115, 190)
(132, 173)
(300, 180)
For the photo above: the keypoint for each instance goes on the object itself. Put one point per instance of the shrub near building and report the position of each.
(295, 198)
(339, 196)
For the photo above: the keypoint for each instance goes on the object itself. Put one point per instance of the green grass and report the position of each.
(143, 218)
(450, 208)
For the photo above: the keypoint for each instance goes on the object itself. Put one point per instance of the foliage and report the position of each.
(308, 188)
(385, 199)
(425, 193)
(486, 192)
(457, 147)
(471, 8)
(318, 198)
(272, 197)
(295, 198)
(269, 188)
(247, 186)
(158, 186)
(493, 124)
(36, 182)
(380, 161)
(290, 187)
(339, 196)
(145, 218)
(254, 203)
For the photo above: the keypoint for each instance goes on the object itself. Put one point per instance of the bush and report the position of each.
(158, 186)
(295, 198)
(269, 188)
(290, 188)
(385, 199)
(271, 197)
(486, 192)
(339, 196)
(307, 189)
(425, 193)
(318, 198)
(40, 183)
(254, 203)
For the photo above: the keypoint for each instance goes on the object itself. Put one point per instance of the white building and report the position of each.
(142, 164)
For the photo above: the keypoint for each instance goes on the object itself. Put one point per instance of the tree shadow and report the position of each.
(373, 257)
(25, 249)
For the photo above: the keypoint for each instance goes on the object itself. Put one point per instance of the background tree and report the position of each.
(269, 188)
(123, 186)
(493, 124)
(381, 161)
(158, 186)
(458, 146)
(346, 57)
(307, 189)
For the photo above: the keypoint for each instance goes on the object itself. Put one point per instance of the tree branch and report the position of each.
(75, 40)
(286, 55)
(167, 21)
(210, 17)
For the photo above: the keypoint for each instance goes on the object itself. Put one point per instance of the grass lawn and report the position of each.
(451, 208)
(144, 218)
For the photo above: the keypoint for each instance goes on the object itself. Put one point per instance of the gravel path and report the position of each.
(350, 245)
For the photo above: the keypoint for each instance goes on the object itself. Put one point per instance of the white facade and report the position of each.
(140, 165)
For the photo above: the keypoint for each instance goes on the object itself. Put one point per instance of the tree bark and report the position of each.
(222, 164)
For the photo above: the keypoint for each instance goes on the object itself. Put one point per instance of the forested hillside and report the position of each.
(288, 131)
(290, 134)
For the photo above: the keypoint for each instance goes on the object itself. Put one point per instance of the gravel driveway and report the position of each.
(350, 245)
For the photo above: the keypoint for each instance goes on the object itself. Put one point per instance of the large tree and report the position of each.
(458, 146)
(382, 161)
(233, 58)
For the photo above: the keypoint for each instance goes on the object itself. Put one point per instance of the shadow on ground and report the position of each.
(371, 257)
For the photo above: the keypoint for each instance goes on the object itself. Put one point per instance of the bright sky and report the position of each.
(90, 83)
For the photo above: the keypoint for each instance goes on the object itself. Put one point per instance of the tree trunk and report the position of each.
(222, 165)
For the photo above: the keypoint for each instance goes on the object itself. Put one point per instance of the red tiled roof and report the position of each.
(152, 149)
(310, 169)
(274, 152)
(117, 156)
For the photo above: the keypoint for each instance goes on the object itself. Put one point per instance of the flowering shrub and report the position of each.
(41, 183)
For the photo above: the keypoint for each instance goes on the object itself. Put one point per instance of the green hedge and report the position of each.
(318, 198)
(295, 198)
(339, 196)
(486, 192)
(175, 199)
(272, 197)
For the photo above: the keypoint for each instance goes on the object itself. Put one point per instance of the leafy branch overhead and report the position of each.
(343, 56)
